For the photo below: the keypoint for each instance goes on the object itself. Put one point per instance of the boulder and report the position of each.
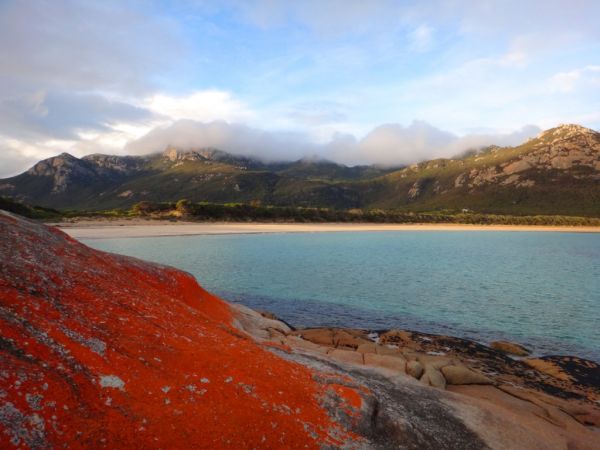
(463, 375)
(398, 337)
(342, 338)
(435, 361)
(297, 342)
(414, 369)
(321, 336)
(396, 363)
(433, 377)
(256, 325)
(510, 348)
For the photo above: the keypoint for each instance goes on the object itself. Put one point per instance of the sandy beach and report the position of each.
(99, 229)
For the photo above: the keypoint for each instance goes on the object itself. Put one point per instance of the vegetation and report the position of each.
(255, 212)
(33, 212)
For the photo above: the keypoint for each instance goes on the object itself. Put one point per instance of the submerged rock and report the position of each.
(510, 348)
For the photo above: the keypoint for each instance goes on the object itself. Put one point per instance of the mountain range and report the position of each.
(558, 172)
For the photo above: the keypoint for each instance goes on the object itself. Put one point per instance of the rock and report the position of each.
(386, 350)
(397, 337)
(368, 347)
(296, 342)
(256, 324)
(463, 375)
(583, 413)
(414, 369)
(548, 368)
(517, 166)
(346, 356)
(510, 348)
(436, 362)
(433, 377)
(396, 363)
(321, 336)
(108, 351)
(342, 338)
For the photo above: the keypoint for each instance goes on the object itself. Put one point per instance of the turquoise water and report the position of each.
(540, 289)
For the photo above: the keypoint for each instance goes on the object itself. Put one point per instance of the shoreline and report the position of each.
(149, 339)
(107, 229)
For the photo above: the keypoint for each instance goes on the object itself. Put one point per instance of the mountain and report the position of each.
(558, 172)
(103, 181)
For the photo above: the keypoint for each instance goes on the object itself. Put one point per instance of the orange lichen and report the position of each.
(104, 351)
(349, 395)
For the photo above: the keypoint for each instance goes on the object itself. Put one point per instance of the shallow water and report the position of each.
(540, 289)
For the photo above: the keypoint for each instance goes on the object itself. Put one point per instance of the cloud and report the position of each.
(42, 115)
(565, 82)
(286, 76)
(388, 145)
(71, 71)
(475, 141)
(201, 106)
(421, 38)
(482, 18)
(83, 45)
(13, 160)
(233, 138)
(393, 144)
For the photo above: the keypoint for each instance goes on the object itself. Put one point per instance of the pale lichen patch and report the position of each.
(112, 381)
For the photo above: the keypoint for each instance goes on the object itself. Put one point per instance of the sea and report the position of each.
(536, 288)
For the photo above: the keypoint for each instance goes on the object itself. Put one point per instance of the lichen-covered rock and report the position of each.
(105, 351)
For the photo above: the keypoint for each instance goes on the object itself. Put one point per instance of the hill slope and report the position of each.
(556, 173)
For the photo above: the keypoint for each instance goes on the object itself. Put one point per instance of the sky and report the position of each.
(357, 82)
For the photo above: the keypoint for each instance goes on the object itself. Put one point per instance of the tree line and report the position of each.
(255, 212)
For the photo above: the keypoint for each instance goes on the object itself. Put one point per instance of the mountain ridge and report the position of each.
(557, 172)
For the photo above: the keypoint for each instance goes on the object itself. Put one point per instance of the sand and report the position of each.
(103, 229)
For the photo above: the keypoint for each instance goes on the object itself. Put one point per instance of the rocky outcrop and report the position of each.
(558, 398)
(104, 351)
(563, 149)
(63, 170)
(66, 171)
